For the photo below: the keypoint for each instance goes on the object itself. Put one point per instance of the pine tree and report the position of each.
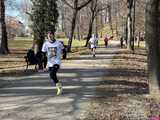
(44, 17)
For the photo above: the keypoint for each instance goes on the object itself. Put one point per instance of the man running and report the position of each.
(53, 49)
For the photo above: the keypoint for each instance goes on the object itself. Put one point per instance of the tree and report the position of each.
(153, 38)
(44, 16)
(4, 41)
(75, 7)
(95, 7)
(129, 26)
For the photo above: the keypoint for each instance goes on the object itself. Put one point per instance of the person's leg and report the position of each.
(45, 62)
(94, 52)
(53, 74)
(91, 50)
(106, 43)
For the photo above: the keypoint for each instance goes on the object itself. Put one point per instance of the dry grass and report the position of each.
(123, 95)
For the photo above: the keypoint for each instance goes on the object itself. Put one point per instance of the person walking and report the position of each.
(93, 44)
(106, 39)
(53, 49)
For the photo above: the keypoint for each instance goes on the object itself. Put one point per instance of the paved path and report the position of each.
(34, 97)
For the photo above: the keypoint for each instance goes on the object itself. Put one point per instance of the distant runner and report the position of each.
(93, 44)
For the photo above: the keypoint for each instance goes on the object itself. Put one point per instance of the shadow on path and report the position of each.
(25, 94)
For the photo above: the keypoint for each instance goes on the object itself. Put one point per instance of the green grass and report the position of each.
(20, 43)
(141, 45)
(25, 43)
(75, 43)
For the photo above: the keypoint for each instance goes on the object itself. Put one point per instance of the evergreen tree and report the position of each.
(44, 17)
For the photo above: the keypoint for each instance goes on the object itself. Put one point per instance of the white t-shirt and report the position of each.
(54, 50)
(93, 42)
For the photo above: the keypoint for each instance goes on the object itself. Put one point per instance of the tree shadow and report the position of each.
(79, 84)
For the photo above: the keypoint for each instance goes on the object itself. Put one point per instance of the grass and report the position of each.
(20, 43)
(26, 43)
(14, 63)
(15, 60)
(79, 43)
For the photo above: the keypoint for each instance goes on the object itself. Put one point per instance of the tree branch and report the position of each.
(84, 4)
(68, 4)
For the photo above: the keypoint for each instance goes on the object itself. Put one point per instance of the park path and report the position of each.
(34, 97)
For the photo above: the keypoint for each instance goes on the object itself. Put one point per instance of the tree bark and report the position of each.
(78, 27)
(134, 22)
(75, 9)
(129, 30)
(90, 29)
(110, 17)
(4, 40)
(130, 40)
(72, 29)
(153, 38)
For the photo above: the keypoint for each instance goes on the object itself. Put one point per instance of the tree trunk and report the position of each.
(153, 37)
(130, 39)
(90, 29)
(72, 29)
(134, 20)
(110, 17)
(78, 28)
(138, 39)
(96, 25)
(4, 41)
(129, 30)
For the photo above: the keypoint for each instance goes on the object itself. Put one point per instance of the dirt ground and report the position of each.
(125, 90)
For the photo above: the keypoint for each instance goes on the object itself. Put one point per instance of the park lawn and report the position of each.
(26, 43)
(14, 63)
(20, 43)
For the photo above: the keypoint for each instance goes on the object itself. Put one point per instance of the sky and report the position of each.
(14, 12)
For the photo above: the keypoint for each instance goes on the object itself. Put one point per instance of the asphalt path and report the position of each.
(33, 97)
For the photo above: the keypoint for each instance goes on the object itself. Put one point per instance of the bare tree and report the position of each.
(95, 7)
(75, 8)
(129, 25)
(4, 41)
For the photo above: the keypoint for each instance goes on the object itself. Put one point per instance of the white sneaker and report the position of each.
(59, 88)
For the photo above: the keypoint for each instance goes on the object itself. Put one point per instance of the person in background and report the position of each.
(93, 44)
(106, 39)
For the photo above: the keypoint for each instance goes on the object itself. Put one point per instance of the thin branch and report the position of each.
(36, 26)
(68, 4)
(84, 4)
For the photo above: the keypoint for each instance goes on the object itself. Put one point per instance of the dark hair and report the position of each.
(50, 32)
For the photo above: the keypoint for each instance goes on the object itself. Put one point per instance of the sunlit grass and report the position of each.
(20, 43)
(26, 43)
(141, 45)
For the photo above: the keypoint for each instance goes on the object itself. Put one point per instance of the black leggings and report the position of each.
(53, 73)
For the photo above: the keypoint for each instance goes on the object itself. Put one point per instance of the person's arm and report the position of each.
(44, 48)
